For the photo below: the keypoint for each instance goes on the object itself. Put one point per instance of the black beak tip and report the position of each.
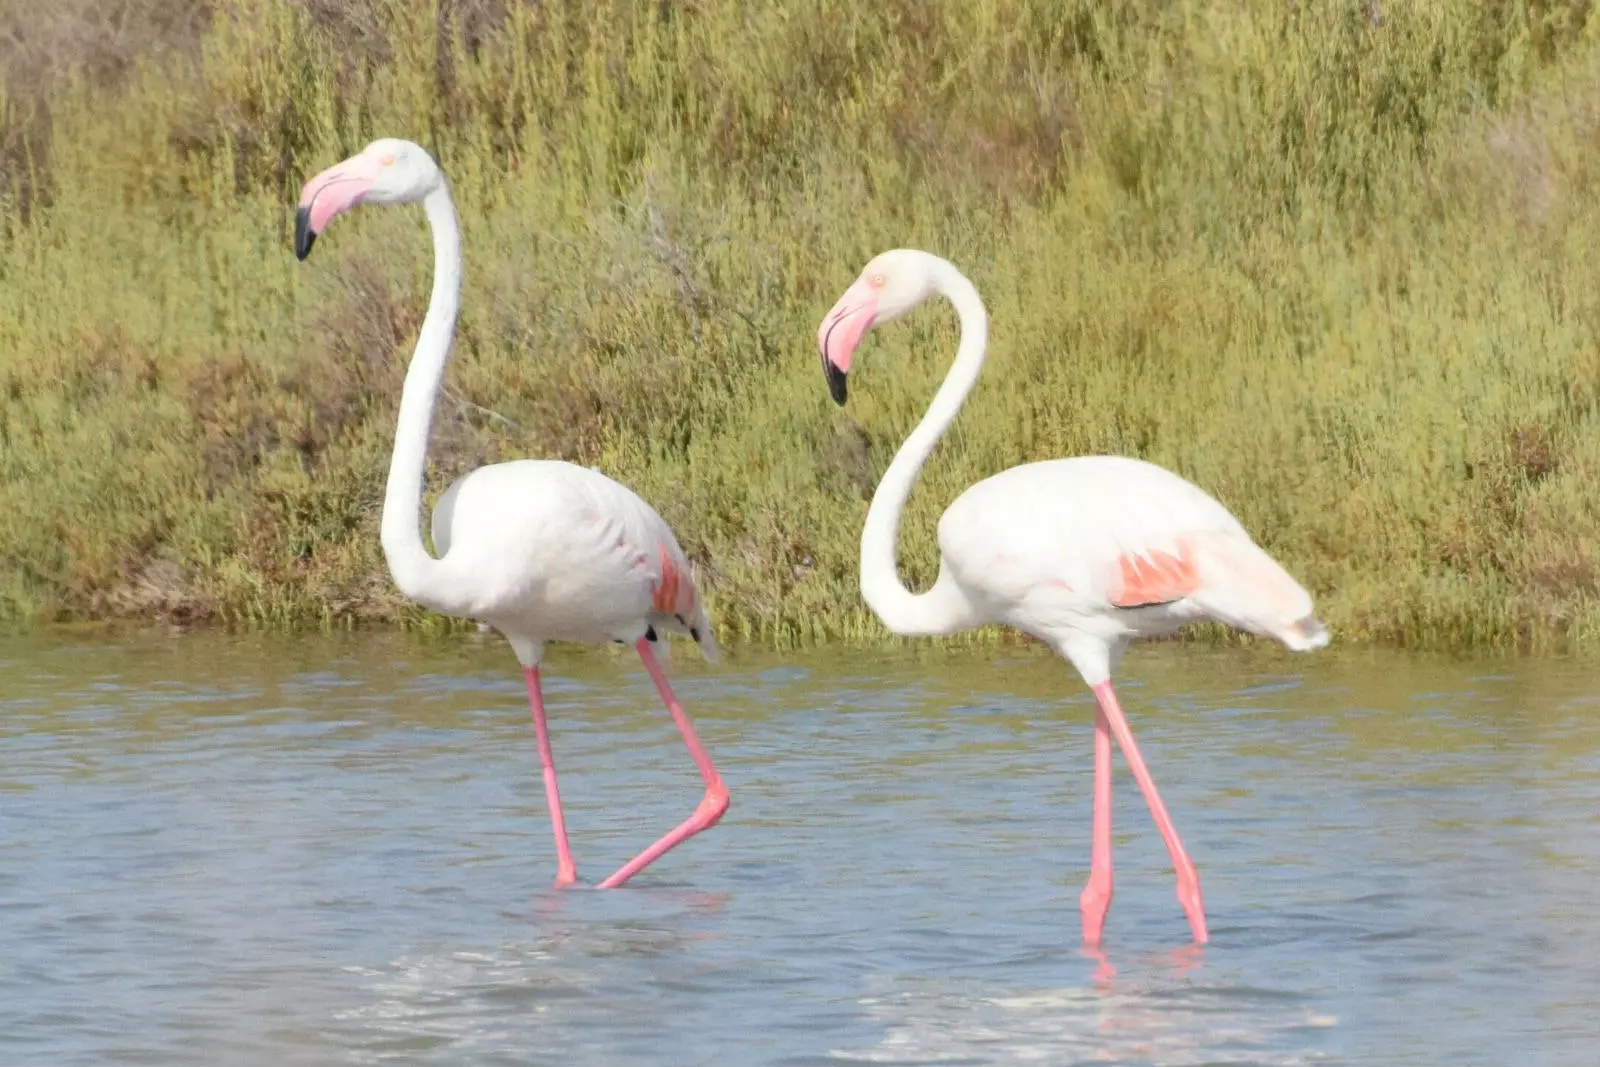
(838, 384)
(304, 235)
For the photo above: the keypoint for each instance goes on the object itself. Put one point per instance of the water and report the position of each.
(335, 851)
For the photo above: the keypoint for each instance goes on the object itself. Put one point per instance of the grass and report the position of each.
(1329, 260)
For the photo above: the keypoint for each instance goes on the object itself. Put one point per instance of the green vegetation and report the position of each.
(1332, 260)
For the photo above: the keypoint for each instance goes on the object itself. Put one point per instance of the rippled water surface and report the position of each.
(334, 850)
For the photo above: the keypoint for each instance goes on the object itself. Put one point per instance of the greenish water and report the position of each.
(334, 851)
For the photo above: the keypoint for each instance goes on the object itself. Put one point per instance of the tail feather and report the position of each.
(695, 625)
(1305, 634)
(675, 601)
(704, 634)
(708, 645)
(1246, 588)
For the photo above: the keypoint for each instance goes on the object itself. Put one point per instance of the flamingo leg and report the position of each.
(716, 798)
(1188, 879)
(1095, 900)
(566, 873)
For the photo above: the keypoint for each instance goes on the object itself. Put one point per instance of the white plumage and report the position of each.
(1115, 547)
(557, 552)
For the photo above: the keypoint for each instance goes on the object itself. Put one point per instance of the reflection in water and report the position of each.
(1155, 1013)
(333, 850)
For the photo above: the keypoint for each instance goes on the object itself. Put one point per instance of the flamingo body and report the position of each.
(1091, 552)
(552, 551)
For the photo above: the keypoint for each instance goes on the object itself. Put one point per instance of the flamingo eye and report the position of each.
(879, 281)
(387, 159)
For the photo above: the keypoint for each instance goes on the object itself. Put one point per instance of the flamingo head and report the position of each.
(387, 171)
(891, 285)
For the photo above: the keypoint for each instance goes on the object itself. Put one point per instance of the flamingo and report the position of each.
(1085, 554)
(539, 550)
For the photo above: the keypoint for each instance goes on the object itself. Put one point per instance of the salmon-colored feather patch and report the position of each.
(672, 595)
(1154, 577)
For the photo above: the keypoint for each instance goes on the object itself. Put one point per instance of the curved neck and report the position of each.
(942, 609)
(415, 571)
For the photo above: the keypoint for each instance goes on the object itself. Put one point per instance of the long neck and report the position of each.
(942, 609)
(415, 571)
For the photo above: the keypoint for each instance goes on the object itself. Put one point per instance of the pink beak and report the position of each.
(331, 193)
(841, 332)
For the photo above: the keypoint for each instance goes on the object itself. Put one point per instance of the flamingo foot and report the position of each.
(707, 815)
(1104, 970)
(1095, 901)
(1189, 899)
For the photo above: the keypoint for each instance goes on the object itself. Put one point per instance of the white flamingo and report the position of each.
(538, 549)
(1084, 554)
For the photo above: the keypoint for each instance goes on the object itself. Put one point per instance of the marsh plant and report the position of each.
(1330, 260)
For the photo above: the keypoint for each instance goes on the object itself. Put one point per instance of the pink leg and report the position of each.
(716, 798)
(566, 873)
(1188, 880)
(1096, 898)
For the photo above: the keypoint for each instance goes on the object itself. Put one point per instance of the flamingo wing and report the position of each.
(675, 601)
(1153, 576)
(573, 535)
(674, 598)
(1105, 533)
